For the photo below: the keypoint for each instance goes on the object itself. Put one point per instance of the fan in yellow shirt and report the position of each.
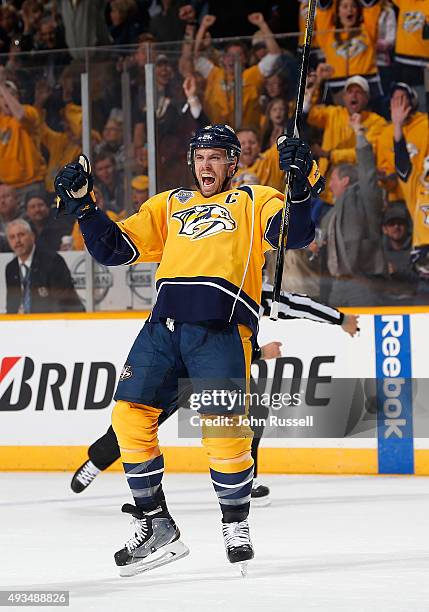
(219, 95)
(353, 50)
(65, 146)
(21, 162)
(412, 167)
(416, 188)
(339, 139)
(415, 129)
(411, 48)
(264, 166)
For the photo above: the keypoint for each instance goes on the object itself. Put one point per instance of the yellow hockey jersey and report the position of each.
(416, 134)
(211, 250)
(411, 48)
(416, 190)
(421, 216)
(348, 57)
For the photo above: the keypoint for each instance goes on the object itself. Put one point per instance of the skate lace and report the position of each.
(87, 474)
(141, 531)
(236, 534)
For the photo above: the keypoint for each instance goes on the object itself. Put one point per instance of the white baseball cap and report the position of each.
(357, 80)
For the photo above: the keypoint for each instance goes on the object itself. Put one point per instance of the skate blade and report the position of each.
(243, 568)
(166, 554)
(260, 502)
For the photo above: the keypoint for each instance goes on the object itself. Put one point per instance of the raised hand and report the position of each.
(356, 122)
(73, 186)
(400, 110)
(295, 156)
(256, 19)
(190, 86)
(207, 21)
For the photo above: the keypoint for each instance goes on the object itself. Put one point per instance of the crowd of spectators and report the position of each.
(364, 114)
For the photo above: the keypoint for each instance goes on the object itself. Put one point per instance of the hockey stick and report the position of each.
(293, 130)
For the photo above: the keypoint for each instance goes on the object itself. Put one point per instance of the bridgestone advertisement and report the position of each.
(58, 377)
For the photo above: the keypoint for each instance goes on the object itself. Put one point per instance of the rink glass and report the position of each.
(117, 92)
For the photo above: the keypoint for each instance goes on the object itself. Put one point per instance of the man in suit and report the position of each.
(37, 280)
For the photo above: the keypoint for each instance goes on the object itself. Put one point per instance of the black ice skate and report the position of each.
(155, 542)
(260, 495)
(238, 546)
(84, 476)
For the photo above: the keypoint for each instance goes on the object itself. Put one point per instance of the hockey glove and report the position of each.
(295, 156)
(74, 188)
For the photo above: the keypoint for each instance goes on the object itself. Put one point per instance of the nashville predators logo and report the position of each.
(205, 220)
(350, 48)
(413, 21)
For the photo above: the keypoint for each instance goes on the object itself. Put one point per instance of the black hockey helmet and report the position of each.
(218, 136)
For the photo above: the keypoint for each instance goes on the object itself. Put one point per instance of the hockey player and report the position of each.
(210, 243)
(105, 450)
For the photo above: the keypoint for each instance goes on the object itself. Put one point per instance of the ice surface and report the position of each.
(327, 543)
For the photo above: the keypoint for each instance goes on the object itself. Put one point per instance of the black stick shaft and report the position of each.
(293, 131)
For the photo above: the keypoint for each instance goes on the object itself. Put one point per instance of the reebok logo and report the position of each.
(391, 367)
(394, 394)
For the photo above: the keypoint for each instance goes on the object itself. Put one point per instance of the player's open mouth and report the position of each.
(208, 180)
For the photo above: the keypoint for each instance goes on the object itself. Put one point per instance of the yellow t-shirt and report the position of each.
(339, 138)
(349, 57)
(21, 162)
(410, 47)
(219, 96)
